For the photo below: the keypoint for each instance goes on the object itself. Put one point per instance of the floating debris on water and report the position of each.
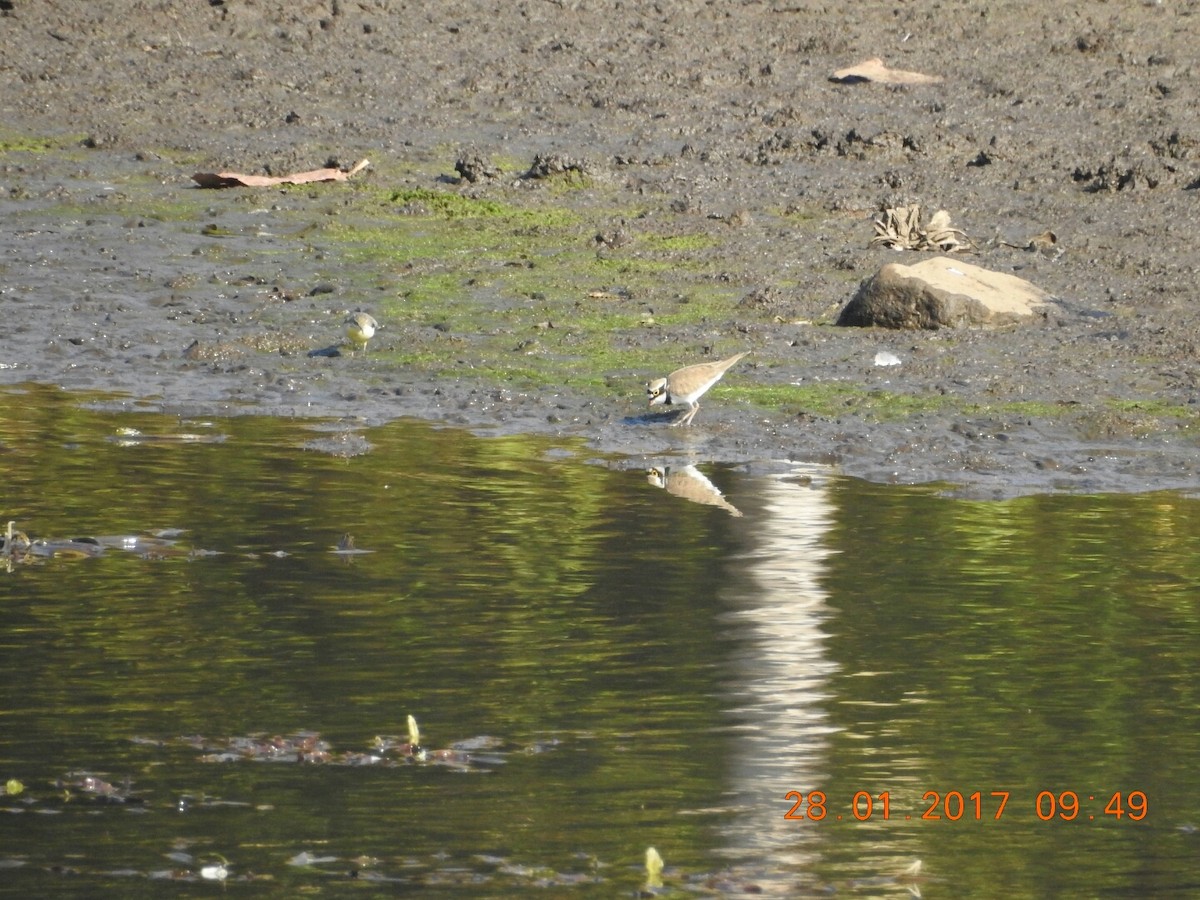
(131, 437)
(218, 872)
(89, 784)
(654, 868)
(472, 754)
(345, 546)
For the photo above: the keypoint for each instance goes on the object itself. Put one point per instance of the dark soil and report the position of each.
(1080, 117)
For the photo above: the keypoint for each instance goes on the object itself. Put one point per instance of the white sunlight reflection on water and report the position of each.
(780, 671)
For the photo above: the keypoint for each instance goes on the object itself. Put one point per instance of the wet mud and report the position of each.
(1079, 119)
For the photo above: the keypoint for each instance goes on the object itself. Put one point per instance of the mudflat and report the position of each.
(669, 183)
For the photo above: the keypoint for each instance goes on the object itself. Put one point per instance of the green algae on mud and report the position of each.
(24, 145)
(532, 287)
(526, 291)
(16, 142)
(534, 306)
(525, 277)
(833, 399)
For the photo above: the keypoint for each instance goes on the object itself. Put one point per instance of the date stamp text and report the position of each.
(975, 806)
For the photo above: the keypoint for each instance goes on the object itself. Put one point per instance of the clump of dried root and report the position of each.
(900, 228)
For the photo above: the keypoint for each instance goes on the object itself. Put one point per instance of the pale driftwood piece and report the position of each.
(873, 69)
(236, 179)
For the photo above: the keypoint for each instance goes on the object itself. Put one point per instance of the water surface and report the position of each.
(622, 666)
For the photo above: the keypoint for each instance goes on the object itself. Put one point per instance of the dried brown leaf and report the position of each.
(873, 69)
(236, 179)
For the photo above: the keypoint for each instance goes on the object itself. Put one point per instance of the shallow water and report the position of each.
(625, 667)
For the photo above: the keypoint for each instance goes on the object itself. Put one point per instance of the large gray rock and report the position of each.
(943, 293)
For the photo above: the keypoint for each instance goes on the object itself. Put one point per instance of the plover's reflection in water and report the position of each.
(690, 483)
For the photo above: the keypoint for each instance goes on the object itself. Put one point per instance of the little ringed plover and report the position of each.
(687, 385)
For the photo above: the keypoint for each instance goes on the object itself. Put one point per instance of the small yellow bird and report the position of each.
(360, 328)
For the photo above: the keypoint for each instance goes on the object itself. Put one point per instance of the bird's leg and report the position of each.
(687, 417)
